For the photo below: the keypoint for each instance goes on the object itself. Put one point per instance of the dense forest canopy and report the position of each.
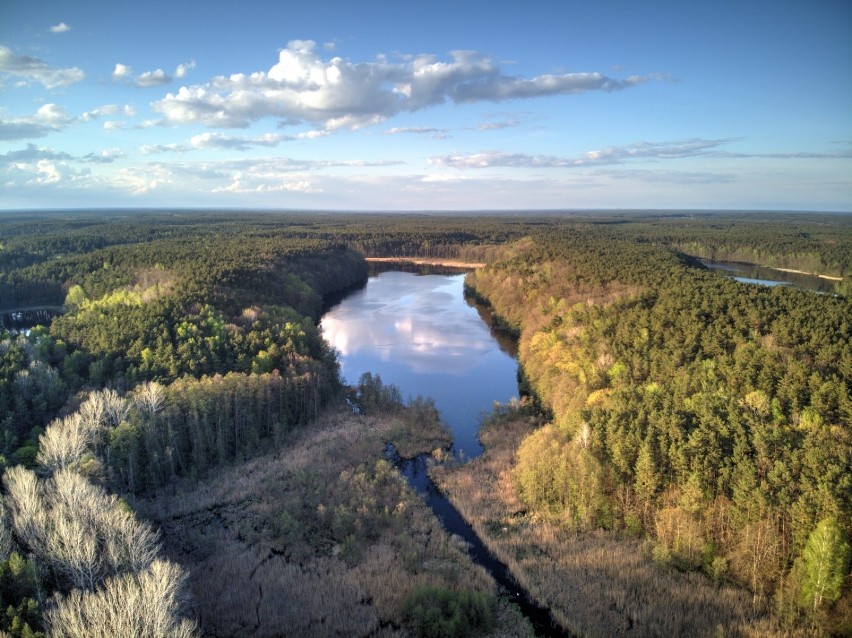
(710, 415)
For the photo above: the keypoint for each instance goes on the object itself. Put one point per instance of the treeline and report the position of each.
(711, 415)
(163, 310)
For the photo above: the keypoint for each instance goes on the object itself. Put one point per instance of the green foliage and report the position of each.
(373, 395)
(434, 612)
(717, 413)
(706, 406)
(20, 590)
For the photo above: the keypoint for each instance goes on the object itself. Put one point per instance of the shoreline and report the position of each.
(802, 272)
(779, 269)
(427, 261)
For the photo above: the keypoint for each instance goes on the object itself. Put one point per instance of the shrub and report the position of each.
(435, 612)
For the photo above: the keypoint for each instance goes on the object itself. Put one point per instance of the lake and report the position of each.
(754, 274)
(419, 333)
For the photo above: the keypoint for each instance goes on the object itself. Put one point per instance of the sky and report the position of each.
(461, 105)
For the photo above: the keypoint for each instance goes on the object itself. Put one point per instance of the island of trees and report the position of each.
(177, 414)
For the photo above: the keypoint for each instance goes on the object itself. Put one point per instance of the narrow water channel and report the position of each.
(419, 333)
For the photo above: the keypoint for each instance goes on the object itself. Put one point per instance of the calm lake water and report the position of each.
(419, 333)
(753, 274)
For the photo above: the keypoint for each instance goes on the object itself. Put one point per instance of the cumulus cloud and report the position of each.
(106, 109)
(157, 77)
(60, 28)
(121, 72)
(147, 79)
(47, 119)
(334, 93)
(52, 117)
(33, 69)
(183, 69)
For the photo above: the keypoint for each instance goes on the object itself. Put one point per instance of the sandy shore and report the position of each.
(427, 261)
(802, 272)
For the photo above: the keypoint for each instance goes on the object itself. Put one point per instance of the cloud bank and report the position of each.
(336, 93)
(33, 69)
(617, 155)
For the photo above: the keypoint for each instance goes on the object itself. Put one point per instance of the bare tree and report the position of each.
(116, 407)
(93, 410)
(150, 397)
(27, 507)
(129, 544)
(65, 441)
(147, 605)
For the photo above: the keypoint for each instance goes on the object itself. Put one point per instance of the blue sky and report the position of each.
(421, 106)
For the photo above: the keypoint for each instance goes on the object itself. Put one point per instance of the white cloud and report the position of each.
(31, 154)
(648, 151)
(52, 117)
(435, 133)
(106, 156)
(336, 93)
(221, 141)
(47, 119)
(33, 69)
(147, 79)
(60, 28)
(608, 155)
(183, 69)
(32, 157)
(106, 109)
(121, 72)
(153, 149)
(157, 77)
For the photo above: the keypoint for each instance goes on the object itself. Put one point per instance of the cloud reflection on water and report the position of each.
(413, 321)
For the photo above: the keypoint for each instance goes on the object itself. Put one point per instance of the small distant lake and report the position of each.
(419, 333)
(23, 320)
(753, 274)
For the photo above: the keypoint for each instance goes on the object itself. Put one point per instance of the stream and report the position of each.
(418, 332)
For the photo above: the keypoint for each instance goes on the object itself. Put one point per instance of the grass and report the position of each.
(321, 537)
(596, 584)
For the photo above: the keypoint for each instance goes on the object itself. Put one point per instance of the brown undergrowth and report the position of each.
(323, 537)
(595, 583)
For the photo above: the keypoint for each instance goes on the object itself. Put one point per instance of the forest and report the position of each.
(707, 418)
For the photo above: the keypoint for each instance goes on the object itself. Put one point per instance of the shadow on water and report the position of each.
(415, 471)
